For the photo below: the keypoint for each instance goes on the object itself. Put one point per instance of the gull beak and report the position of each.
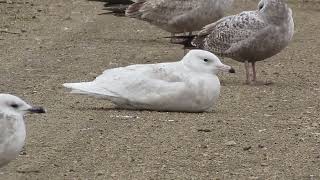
(36, 110)
(226, 68)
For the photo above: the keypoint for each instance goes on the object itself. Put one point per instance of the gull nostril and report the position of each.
(232, 70)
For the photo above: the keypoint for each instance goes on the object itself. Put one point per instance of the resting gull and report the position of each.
(248, 37)
(12, 127)
(189, 85)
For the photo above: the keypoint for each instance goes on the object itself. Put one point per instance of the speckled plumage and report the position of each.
(251, 35)
(178, 16)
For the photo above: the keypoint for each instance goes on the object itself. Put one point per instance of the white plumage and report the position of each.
(188, 85)
(12, 127)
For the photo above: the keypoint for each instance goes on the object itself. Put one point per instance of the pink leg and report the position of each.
(172, 35)
(246, 65)
(254, 78)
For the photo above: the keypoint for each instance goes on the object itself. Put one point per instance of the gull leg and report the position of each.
(172, 35)
(246, 66)
(184, 49)
(254, 78)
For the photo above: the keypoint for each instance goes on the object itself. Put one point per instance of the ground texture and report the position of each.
(255, 132)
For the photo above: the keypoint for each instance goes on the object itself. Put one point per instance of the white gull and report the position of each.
(12, 127)
(189, 85)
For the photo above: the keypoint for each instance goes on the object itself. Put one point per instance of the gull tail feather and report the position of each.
(186, 41)
(116, 10)
(87, 88)
(115, 7)
(134, 9)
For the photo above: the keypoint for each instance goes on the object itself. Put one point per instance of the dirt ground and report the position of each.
(255, 132)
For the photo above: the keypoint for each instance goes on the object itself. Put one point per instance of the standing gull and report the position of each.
(12, 127)
(189, 85)
(174, 16)
(179, 16)
(248, 37)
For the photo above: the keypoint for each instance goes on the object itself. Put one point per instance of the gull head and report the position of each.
(274, 11)
(10, 104)
(205, 62)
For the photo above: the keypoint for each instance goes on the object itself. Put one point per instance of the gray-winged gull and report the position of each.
(189, 85)
(12, 127)
(249, 36)
(179, 16)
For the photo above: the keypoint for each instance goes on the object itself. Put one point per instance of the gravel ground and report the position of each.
(255, 132)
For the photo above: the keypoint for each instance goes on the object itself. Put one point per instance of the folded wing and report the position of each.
(226, 36)
(134, 85)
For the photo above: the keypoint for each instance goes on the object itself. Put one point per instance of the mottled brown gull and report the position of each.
(250, 36)
(179, 16)
(189, 85)
(12, 127)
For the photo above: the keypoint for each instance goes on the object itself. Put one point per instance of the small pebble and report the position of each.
(203, 146)
(23, 153)
(27, 169)
(99, 173)
(231, 143)
(203, 130)
(264, 164)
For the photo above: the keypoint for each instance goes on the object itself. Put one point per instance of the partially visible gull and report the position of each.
(189, 85)
(12, 127)
(179, 16)
(248, 37)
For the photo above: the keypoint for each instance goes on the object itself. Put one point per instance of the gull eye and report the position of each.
(205, 60)
(260, 6)
(14, 105)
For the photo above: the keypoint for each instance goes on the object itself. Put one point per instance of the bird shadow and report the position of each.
(267, 83)
(134, 110)
(142, 41)
(104, 109)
